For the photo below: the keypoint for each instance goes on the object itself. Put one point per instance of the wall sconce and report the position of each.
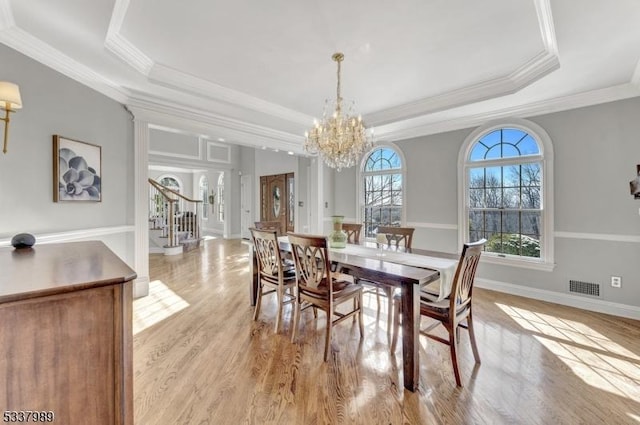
(9, 101)
(634, 185)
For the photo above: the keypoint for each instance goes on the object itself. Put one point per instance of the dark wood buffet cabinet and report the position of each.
(66, 335)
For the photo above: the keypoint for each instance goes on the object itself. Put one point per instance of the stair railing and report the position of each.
(179, 217)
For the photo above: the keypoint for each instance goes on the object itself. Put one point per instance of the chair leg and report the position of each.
(389, 293)
(280, 299)
(256, 311)
(327, 342)
(360, 315)
(396, 326)
(454, 355)
(472, 337)
(296, 319)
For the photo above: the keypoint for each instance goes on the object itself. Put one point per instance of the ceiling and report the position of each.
(256, 73)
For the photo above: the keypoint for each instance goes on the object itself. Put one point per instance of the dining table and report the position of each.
(410, 272)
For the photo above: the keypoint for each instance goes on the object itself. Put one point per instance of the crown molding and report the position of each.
(22, 41)
(166, 113)
(6, 15)
(543, 63)
(120, 46)
(410, 130)
(169, 77)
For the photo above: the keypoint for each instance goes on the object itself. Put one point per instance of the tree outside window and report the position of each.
(383, 190)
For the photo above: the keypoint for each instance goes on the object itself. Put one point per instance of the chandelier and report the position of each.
(340, 138)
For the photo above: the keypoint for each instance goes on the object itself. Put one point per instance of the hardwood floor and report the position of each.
(199, 358)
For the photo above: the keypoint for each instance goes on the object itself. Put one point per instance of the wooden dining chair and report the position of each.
(353, 232)
(452, 311)
(269, 225)
(275, 275)
(320, 288)
(398, 238)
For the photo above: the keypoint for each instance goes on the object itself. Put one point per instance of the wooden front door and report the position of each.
(277, 200)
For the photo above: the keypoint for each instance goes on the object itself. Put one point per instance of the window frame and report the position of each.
(205, 200)
(545, 157)
(362, 174)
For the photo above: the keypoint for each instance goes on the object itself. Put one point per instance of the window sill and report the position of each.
(517, 262)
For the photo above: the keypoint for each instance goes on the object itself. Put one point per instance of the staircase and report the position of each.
(175, 221)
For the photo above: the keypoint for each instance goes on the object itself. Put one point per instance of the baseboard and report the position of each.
(141, 287)
(156, 250)
(600, 306)
(234, 236)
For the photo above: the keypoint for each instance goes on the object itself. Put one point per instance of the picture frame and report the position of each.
(77, 171)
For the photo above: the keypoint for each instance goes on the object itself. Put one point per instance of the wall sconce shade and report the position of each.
(9, 101)
(10, 96)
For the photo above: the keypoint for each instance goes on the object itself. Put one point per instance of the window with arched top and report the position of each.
(382, 175)
(171, 182)
(204, 196)
(221, 198)
(507, 181)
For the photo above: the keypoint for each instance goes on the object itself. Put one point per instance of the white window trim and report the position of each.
(205, 202)
(546, 263)
(360, 186)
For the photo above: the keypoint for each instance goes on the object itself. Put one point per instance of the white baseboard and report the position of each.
(141, 287)
(600, 306)
(155, 250)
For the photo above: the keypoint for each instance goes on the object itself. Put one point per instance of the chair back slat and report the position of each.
(311, 257)
(268, 255)
(269, 225)
(398, 237)
(353, 232)
(462, 286)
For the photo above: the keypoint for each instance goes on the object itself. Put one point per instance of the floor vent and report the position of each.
(584, 288)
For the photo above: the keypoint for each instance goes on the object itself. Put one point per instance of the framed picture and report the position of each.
(77, 170)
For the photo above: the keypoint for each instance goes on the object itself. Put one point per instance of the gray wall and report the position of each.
(596, 152)
(55, 104)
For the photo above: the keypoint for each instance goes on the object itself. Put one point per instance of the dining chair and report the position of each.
(353, 232)
(398, 238)
(320, 288)
(269, 225)
(452, 311)
(275, 275)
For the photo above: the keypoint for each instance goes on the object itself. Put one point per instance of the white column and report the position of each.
(316, 195)
(141, 213)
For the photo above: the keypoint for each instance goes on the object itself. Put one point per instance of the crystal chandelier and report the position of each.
(340, 138)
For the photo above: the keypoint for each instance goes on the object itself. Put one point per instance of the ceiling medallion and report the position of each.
(340, 138)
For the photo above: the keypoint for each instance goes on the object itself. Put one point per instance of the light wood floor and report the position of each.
(199, 358)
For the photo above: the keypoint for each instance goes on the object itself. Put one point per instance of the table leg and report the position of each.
(411, 335)
(253, 275)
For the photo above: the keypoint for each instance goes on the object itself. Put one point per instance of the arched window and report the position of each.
(383, 189)
(204, 195)
(221, 198)
(506, 194)
(171, 182)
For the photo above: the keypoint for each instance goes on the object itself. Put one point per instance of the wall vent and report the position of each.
(584, 288)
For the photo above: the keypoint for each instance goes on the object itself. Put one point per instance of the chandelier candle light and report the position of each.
(340, 138)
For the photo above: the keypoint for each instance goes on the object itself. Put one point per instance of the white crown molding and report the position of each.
(169, 77)
(409, 130)
(22, 41)
(6, 15)
(538, 66)
(120, 46)
(43, 238)
(598, 237)
(165, 113)
(567, 299)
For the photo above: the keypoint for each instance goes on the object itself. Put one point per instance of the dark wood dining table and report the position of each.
(367, 265)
